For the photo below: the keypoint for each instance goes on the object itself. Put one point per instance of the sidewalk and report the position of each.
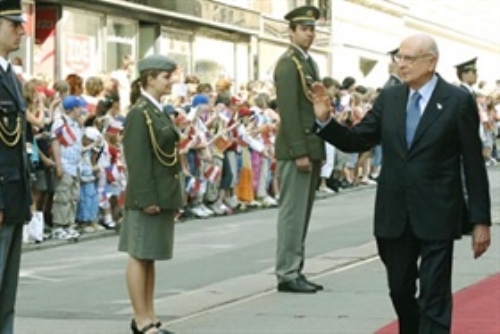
(51, 243)
(355, 299)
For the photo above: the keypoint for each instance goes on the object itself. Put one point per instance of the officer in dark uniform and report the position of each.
(467, 74)
(298, 151)
(393, 70)
(15, 196)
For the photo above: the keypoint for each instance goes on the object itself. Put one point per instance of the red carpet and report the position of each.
(476, 309)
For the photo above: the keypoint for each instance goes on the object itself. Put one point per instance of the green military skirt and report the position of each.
(147, 237)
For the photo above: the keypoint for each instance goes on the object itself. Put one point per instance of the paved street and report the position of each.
(221, 279)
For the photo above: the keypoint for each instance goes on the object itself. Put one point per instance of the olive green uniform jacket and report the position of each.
(152, 181)
(293, 77)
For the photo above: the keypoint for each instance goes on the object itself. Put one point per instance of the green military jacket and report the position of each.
(154, 171)
(293, 77)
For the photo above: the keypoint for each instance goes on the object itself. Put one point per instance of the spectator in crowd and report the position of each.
(223, 85)
(94, 86)
(348, 87)
(327, 169)
(155, 188)
(88, 204)
(61, 88)
(75, 83)
(67, 152)
(121, 79)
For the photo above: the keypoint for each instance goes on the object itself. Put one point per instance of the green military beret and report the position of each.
(156, 62)
(306, 15)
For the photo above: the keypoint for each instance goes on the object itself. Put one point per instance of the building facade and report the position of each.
(237, 39)
(242, 39)
(363, 31)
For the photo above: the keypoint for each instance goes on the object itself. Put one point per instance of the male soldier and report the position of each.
(14, 175)
(298, 151)
(467, 74)
(393, 70)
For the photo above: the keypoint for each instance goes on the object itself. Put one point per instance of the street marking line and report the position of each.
(267, 292)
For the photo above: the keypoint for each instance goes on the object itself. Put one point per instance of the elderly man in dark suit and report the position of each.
(298, 151)
(14, 176)
(427, 127)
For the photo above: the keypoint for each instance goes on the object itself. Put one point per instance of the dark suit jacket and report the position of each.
(15, 195)
(149, 181)
(295, 137)
(422, 184)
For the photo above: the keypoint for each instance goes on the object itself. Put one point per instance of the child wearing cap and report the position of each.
(88, 205)
(66, 145)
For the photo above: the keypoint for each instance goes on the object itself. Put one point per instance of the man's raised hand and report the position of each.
(321, 102)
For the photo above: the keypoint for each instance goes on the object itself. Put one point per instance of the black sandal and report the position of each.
(146, 328)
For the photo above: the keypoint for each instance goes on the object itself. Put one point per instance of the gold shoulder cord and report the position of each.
(16, 133)
(307, 92)
(160, 154)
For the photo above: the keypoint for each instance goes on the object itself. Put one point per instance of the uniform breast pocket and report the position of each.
(167, 135)
(7, 107)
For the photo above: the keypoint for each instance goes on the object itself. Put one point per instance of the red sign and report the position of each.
(78, 52)
(46, 21)
(45, 40)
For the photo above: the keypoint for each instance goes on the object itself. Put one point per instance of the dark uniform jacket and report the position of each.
(293, 76)
(393, 80)
(423, 184)
(15, 196)
(154, 176)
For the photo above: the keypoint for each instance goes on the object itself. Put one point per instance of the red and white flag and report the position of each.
(193, 186)
(114, 127)
(65, 135)
(113, 173)
(212, 173)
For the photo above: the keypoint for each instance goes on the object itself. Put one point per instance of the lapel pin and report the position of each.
(439, 106)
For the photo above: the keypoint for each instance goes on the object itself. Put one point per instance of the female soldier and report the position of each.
(154, 188)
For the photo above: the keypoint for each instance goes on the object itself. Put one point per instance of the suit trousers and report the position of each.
(431, 312)
(297, 191)
(10, 260)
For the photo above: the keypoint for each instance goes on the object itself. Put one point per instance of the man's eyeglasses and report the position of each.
(399, 58)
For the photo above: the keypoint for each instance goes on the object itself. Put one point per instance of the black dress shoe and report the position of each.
(297, 285)
(164, 331)
(317, 286)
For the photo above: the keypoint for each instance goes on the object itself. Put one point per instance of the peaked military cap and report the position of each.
(306, 15)
(392, 53)
(11, 10)
(156, 62)
(467, 66)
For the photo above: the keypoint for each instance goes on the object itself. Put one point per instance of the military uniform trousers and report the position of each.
(10, 260)
(297, 191)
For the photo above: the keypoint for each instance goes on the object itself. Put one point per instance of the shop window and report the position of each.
(24, 52)
(121, 42)
(176, 45)
(81, 41)
(214, 59)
